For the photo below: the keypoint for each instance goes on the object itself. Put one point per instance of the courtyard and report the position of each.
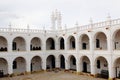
(52, 75)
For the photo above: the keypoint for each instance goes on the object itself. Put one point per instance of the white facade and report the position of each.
(89, 48)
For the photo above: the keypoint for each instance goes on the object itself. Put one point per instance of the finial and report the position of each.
(108, 17)
(28, 27)
(76, 24)
(91, 21)
(65, 26)
(10, 25)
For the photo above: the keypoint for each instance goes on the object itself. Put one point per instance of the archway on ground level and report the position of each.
(3, 67)
(19, 44)
(35, 44)
(72, 62)
(101, 67)
(85, 42)
(116, 40)
(50, 44)
(100, 41)
(85, 64)
(50, 62)
(117, 68)
(36, 64)
(71, 43)
(62, 45)
(19, 65)
(3, 44)
(62, 62)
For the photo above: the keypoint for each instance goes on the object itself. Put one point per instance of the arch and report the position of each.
(3, 66)
(19, 65)
(71, 43)
(116, 66)
(50, 44)
(72, 62)
(85, 64)
(3, 44)
(61, 43)
(36, 64)
(62, 61)
(101, 66)
(19, 44)
(116, 39)
(50, 62)
(100, 40)
(85, 44)
(35, 44)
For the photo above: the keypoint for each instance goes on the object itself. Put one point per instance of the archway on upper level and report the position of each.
(100, 40)
(85, 42)
(116, 40)
(3, 44)
(3, 67)
(19, 44)
(72, 62)
(62, 61)
(36, 64)
(35, 44)
(85, 65)
(50, 44)
(116, 67)
(19, 65)
(71, 43)
(61, 43)
(101, 67)
(50, 64)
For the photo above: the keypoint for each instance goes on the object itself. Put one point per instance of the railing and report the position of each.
(77, 28)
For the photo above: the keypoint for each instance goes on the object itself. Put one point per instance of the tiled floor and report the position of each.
(52, 76)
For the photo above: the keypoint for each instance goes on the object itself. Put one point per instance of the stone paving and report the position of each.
(52, 76)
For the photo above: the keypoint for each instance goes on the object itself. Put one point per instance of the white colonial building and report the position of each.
(90, 48)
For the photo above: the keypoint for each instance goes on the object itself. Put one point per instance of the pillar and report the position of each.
(57, 64)
(111, 72)
(67, 66)
(44, 64)
(93, 67)
(43, 45)
(9, 45)
(10, 67)
(78, 66)
(28, 66)
(28, 45)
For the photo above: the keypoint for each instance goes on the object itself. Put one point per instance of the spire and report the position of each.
(91, 21)
(56, 20)
(108, 17)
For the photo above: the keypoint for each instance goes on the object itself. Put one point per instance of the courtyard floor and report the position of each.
(52, 76)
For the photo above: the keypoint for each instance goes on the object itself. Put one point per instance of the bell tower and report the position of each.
(56, 20)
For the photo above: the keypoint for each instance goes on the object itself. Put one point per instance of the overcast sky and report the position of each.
(37, 13)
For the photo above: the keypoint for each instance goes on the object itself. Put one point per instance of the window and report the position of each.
(14, 47)
(98, 64)
(14, 65)
(97, 43)
(84, 46)
(74, 61)
(73, 44)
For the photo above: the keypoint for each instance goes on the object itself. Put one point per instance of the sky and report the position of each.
(37, 13)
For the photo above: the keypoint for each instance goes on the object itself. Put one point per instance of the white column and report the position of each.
(43, 45)
(44, 64)
(28, 65)
(67, 66)
(9, 45)
(57, 63)
(66, 45)
(111, 69)
(93, 67)
(109, 43)
(28, 45)
(56, 45)
(10, 67)
(77, 43)
(78, 65)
